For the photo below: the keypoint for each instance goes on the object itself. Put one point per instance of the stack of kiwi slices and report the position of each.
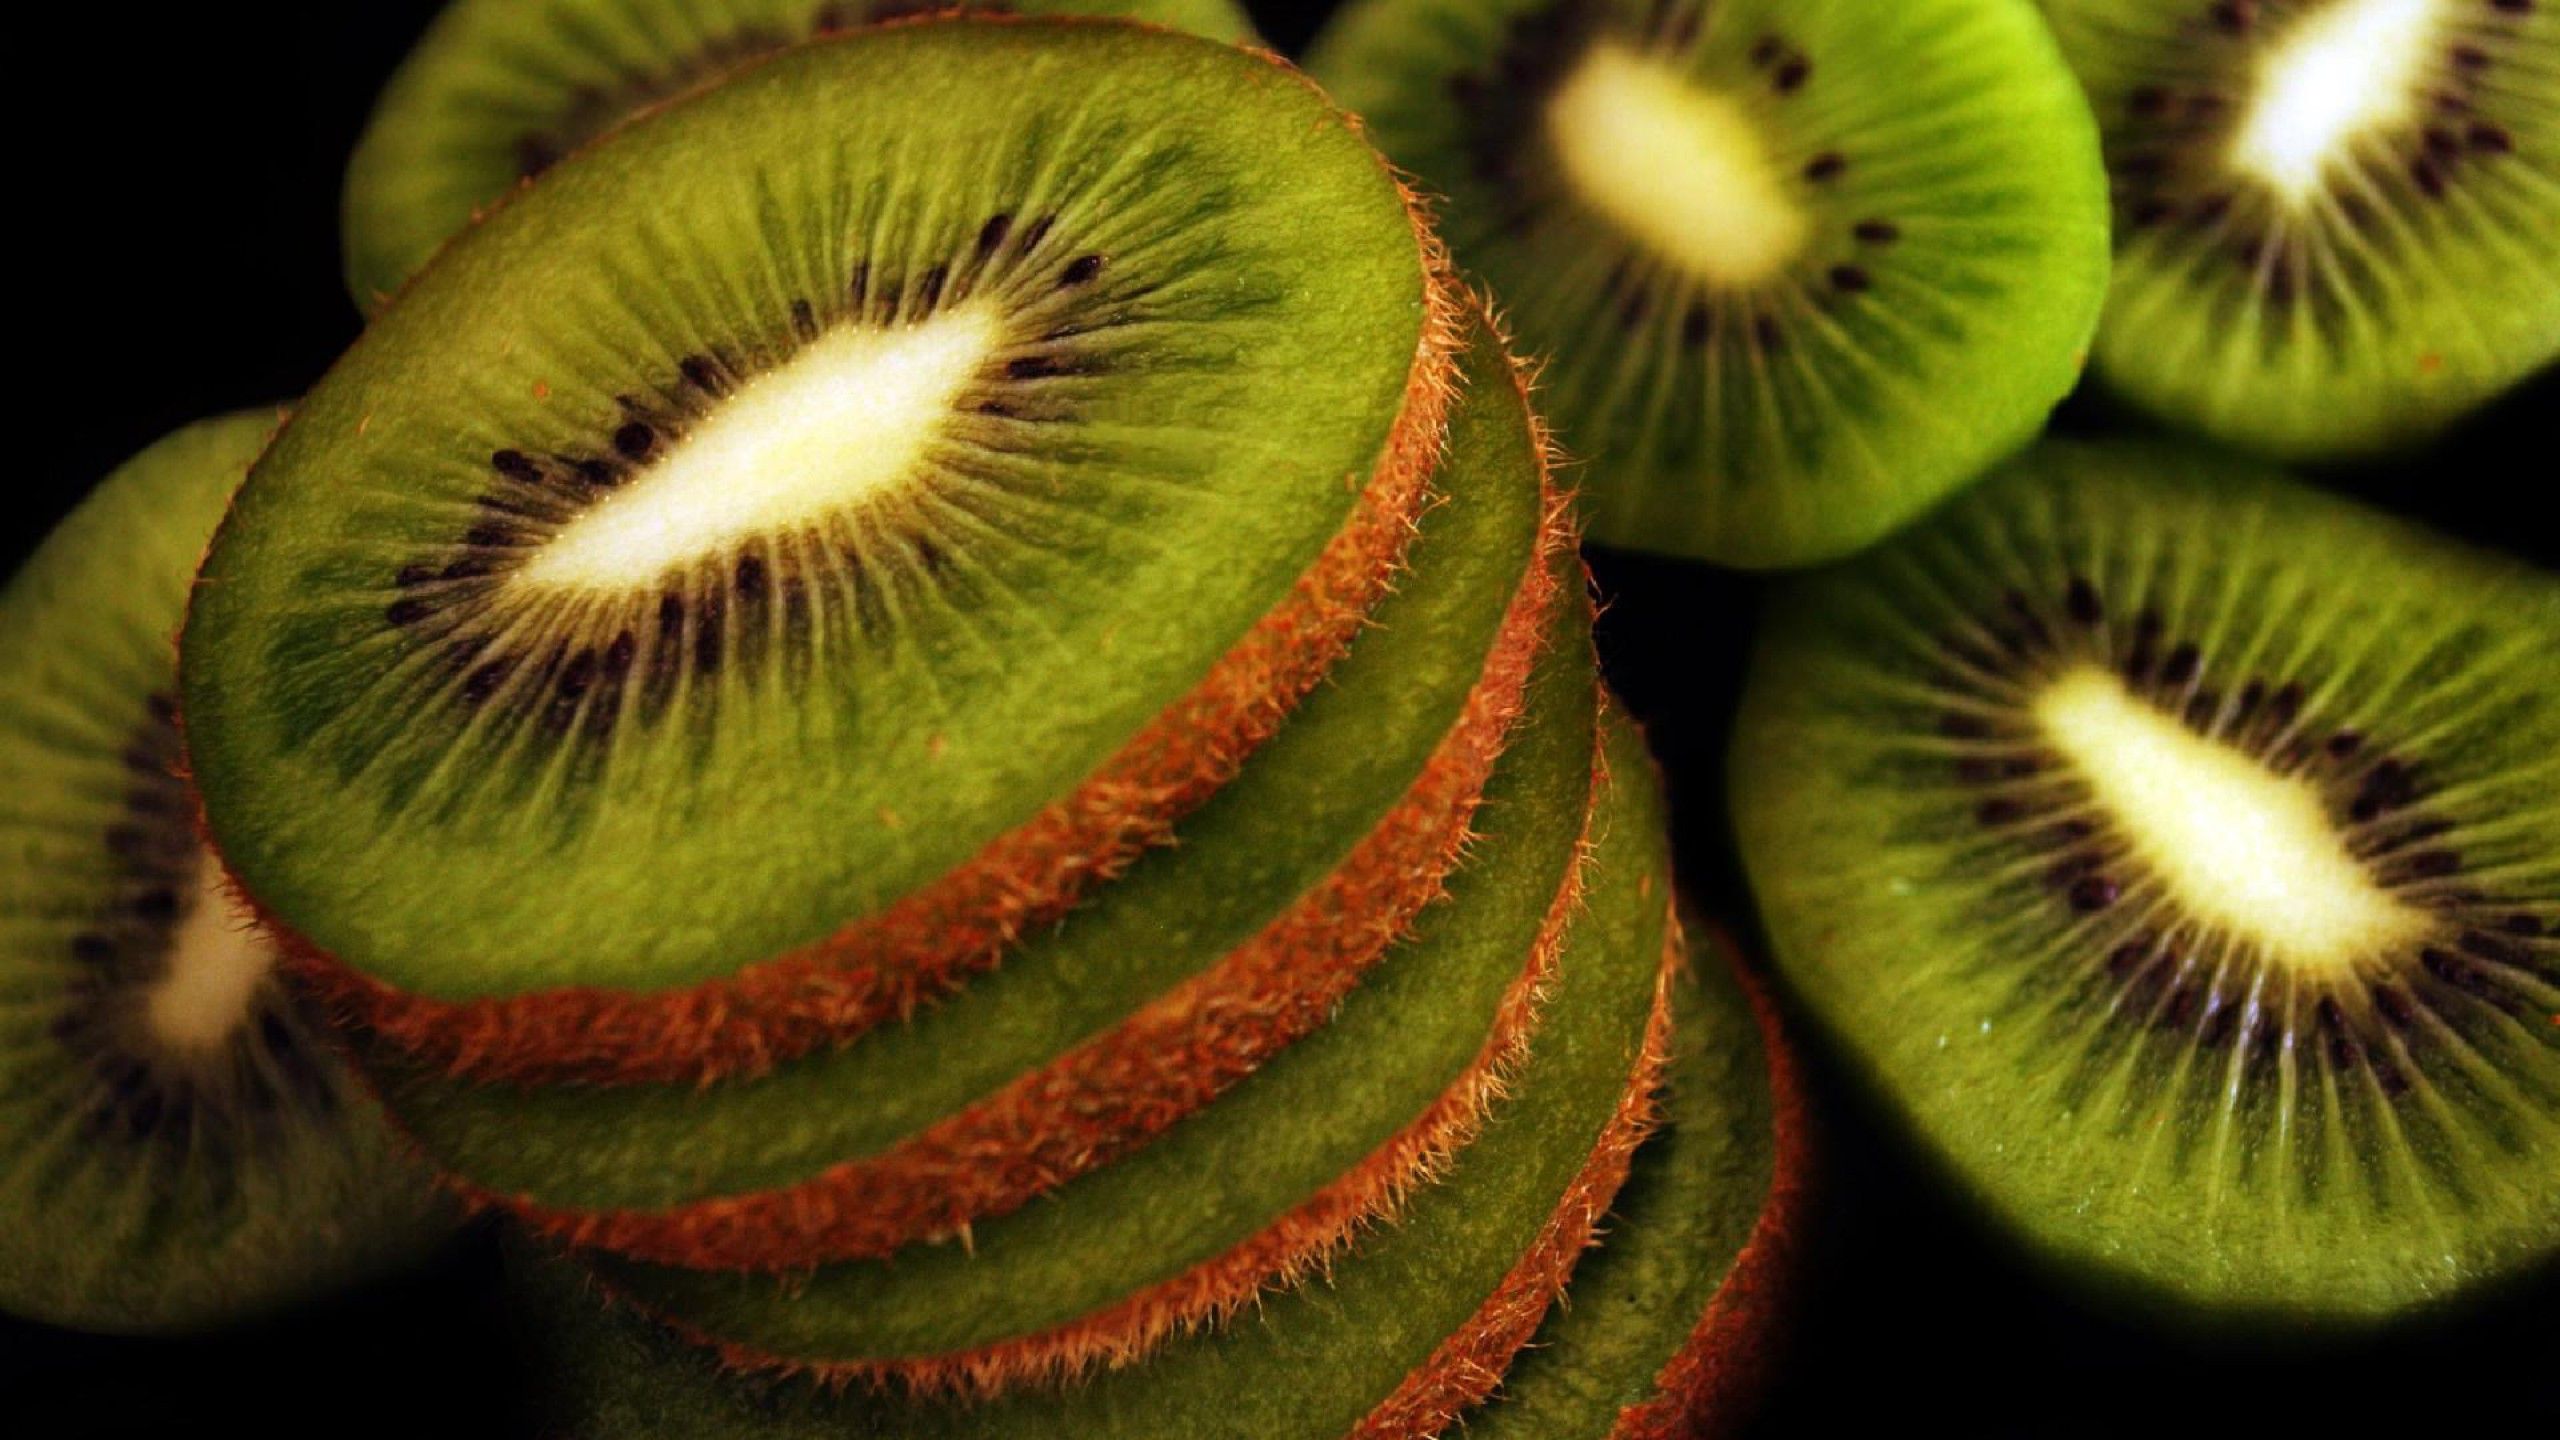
(933, 710)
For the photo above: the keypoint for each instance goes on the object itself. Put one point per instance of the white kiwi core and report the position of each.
(2337, 76)
(1681, 168)
(841, 422)
(217, 962)
(2244, 849)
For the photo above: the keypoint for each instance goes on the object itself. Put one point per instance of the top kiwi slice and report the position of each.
(499, 91)
(1802, 267)
(2179, 849)
(2339, 221)
(178, 1145)
(936, 454)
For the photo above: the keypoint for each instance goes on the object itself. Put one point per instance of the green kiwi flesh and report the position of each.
(2339, 224)
(1300, 804)
(456, 728)
(499, 91)
(2176, 847)
(183, 1147)
(1694, 1199)
(1311, 1361)
(1799, 269)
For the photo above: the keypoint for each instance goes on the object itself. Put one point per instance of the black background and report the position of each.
(174, 173)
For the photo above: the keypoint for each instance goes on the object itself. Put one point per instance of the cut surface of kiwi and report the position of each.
(1250, 886)
(1800, 269)
(1318, 1360)
(2339, 220)
(829, 502)
(499, 91)
(1663, 1330)
(1243, 1166)
(182, 1148)
(2177, 849)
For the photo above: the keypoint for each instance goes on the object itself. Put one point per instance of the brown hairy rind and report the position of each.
(927, 943)
(1112, 1093)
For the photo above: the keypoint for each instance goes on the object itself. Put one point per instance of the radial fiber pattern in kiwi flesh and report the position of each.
(182, 1148)
(1664, 1331)
(2339, 223)
(2177, 847)
(1289, 881)
(499, 91)
(1313, 1361)
(495, 701)
(1233, 1169)
(1801, 269)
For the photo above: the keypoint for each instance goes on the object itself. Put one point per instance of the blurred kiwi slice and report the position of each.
(810, 538)
(1801, 267)
(497, 92)
(1413, 1325)
(1281, 891)
(184, 1148)
(2338, 223)
(2176, 847)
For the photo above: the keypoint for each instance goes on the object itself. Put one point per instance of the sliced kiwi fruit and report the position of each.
(2177, 849)
(1277, 1172)
(184, 1149)
(906, 477)
(499, 91)
(1667, 1328)
(1280, 891)
(2339, 223)
(1410, 1314)
(1801, 269)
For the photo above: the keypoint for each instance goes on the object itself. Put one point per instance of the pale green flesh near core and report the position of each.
(1692, 1201)
(1799, 269)
(1309, 1362)
(436, 774)
(277, 1185)
(1238, 1165)
(1291, 815)
(2335, 231)
(2174, 846)
(497, 88)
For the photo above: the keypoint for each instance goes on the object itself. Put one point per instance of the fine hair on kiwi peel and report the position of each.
(2174, 846)
(1278, 896)
(476, 615)
(497, 92)
(1800, 268)
(184, 1149)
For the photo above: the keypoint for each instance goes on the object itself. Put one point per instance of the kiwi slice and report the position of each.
(1413, 1325)
(1668, 1323)
(580, 594)
(1247, 1192)
(2177, 848)
(1802, 267)
(1281, 891)
(499, 91)
(2339, 222)
(184, 1149)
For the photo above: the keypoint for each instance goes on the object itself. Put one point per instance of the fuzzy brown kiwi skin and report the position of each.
(1111, 1094)
(929, 942)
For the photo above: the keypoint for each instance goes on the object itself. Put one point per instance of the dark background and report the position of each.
(174, 176)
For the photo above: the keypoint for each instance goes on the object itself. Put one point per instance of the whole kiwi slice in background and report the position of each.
(578, 595)
(183, 1148)
(1413, 1325)
(1800, 267)
(2177, 849)
(498, 91)
(1281, 890)
(2338, 223)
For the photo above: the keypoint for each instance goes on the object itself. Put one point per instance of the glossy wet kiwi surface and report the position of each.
(2177, 848)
